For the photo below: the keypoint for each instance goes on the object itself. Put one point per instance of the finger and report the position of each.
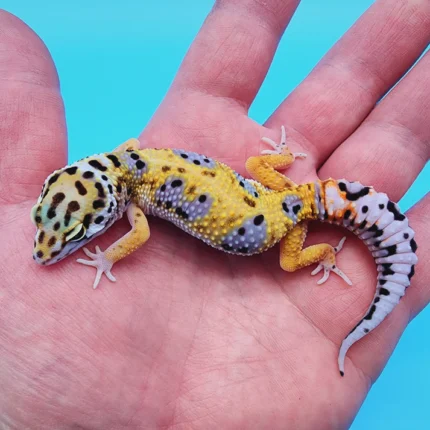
(233, 51)
(32, 131)
(392, 145)
(340, 92)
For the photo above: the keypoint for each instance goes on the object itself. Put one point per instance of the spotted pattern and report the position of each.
(171, 202)
(246, 185)
(196, 159)
(291, 206)
(385, 230)
(248, 238)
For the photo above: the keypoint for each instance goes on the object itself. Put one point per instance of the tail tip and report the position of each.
(342, 373)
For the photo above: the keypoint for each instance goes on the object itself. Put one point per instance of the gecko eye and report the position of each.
(76, 234)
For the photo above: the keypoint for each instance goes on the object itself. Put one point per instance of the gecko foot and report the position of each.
(100, 262)
(281, 147)
(331, 267)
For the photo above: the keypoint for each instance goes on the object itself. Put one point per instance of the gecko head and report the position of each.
(77, 203)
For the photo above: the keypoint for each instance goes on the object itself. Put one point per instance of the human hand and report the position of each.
(218, 341)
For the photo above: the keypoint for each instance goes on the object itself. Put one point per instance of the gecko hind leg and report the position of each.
(264, 168)
(294, 257)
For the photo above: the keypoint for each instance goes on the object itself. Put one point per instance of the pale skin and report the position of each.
(190, 338)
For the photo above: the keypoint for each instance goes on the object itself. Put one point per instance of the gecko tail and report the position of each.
(378, 222)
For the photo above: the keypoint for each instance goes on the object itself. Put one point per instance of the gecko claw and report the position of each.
(329, 267)
(100, 262)
(281, 147)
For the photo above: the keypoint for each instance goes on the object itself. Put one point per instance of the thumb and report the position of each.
(32, 124)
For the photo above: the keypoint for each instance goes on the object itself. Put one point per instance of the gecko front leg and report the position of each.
(130, 242)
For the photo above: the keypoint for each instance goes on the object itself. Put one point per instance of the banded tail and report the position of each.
(385, 230)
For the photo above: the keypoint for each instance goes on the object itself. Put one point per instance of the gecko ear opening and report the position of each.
(76, 234)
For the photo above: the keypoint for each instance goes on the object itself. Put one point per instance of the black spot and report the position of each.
(378, 233)
(377, 243)
(87, 220)
(99, 219)
(397, 215)
(197, 162)
(391, 250)
(241, 231)
(412, 272)
(110, 189)
(384, 292)
(202, 198)
(100, 190)
(57, 226)
(41, 236)
(179, 211)
(166, 168)
(387, 271)
(366, 330)
(342, 186)
(73, 206)
(405, 235)
(39, 254)
(370, 313)
(352, 222)
(243, 250)
(54, 254)
(176, 183)
(241, 184)
(206, 160)
(134, 156)
(355, 196)
(373, 228)
(81, 189)
(258, 219)
(119, 188)
(104, 177)
(110, 207)
(226, 246)
(296, 209)
(97, 204)
(163, 188)
(376, 299)
(114, 160)
(249, 202)
(71, 170)
(414, 245)
(38, 219)
(285, 207)
(158, 202)
(362, 225)
(184, 155)
(333, 267)
(347, 214)
(381, 206)
(365, 209)
(89, 175)
(325, 215)
(57, 199)
(51, 213)
(382, 281)
(168, 204)
(53, 179)
(52, 241)
(342, 373)
(97, 165)
(140, 164)
(255, 194)
(67, 218)
(129, 150)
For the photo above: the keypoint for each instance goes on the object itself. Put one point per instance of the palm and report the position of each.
(190, 335)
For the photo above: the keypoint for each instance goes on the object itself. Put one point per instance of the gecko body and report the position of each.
(212, 202)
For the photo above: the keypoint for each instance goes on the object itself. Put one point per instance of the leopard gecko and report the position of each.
(212, 202)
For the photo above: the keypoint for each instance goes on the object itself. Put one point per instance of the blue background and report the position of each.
(116, 60)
